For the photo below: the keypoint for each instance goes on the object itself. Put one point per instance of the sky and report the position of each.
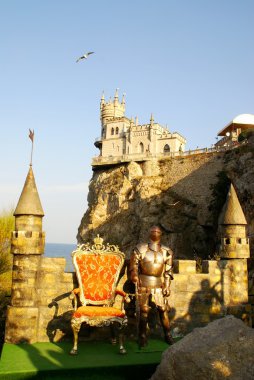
(190, 63)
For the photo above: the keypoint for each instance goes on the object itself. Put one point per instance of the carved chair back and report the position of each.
(97, 268)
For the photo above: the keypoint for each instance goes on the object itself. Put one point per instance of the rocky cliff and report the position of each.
(182, 195)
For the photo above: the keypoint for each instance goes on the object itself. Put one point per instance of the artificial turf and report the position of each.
(96, 360)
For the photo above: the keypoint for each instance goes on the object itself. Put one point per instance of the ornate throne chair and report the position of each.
(97, 268)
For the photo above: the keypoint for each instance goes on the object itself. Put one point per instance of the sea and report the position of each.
(61, 250)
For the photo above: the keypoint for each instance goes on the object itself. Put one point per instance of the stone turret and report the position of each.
(27, 247)
(232, 224)
(111, 109)
(234, 251)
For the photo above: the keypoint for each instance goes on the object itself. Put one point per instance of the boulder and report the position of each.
(224, 349)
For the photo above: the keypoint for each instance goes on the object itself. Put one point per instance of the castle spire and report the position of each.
(232, 212)
(29, 202)
(102, 98)
(116, 95)
(151, 120)
(123, 99)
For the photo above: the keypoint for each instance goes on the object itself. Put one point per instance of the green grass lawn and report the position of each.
(96, 360)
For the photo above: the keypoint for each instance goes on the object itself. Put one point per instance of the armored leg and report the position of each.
(165, 324)
(122, 349)
(144, 309)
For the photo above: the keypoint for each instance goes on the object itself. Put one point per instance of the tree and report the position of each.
(6, 227)
(246, 134)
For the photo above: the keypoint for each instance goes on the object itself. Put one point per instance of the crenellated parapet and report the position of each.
(27, 242)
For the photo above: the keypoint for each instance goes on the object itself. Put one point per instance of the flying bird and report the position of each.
(85, 56)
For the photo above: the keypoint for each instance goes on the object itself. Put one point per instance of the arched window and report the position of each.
(117, 130)
(141, 148)
(166, 148)
(112, 131)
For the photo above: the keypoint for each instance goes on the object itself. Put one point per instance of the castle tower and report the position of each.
(232, 222)
(234, 251)
(27, 246)
(112, 109)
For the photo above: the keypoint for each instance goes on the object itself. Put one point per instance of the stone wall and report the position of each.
(40, 307)
(196, 299)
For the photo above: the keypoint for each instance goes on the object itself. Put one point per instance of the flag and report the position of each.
(31, 135)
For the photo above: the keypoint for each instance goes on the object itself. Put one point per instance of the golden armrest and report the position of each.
(73, 296)
(123, 294)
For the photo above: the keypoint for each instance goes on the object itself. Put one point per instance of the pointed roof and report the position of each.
(29, 202)
(116, 94)
(232, 212)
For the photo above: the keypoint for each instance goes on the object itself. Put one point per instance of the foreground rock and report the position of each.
(222, 350)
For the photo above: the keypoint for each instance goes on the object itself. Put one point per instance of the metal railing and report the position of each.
(146, 156)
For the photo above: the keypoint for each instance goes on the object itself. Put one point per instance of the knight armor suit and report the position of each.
(151, 266)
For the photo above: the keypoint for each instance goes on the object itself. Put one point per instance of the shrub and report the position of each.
(245, 135)
(6, 227)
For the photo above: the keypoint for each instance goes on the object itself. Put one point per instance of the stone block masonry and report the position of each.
(196, 299)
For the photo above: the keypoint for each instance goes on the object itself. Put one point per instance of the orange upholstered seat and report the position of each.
(98, 311)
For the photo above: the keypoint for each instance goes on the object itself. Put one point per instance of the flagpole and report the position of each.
(31, 136)
(31, 161)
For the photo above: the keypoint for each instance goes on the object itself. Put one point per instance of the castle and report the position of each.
(122, 136)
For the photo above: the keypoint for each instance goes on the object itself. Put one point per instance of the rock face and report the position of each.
(221, 350)
(182, 195)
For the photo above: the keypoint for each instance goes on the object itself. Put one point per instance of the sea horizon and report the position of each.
(61, 250)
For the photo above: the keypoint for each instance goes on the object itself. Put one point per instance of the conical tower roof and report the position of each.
(232, 212)
(29, 202)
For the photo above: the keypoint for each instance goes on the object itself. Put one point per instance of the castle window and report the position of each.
(227, 241)
(117, 130)
(141, 148)
(166, 148)
(112, 131)
(239, 241)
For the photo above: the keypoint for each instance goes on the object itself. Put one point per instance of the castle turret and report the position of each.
(27, 246)
(234, 251)
(232, 224)
(111, 110)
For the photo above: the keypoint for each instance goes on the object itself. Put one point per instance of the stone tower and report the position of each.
(27, 246)
(112, 109)
(234, 251)
(234, 243)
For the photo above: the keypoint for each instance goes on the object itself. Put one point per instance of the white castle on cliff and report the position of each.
(121, 136)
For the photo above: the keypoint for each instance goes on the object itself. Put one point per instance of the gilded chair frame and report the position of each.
(97, 249)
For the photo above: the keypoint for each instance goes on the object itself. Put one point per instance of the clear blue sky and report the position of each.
(190, 63)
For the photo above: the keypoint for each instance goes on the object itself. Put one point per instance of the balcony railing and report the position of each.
(146, 156)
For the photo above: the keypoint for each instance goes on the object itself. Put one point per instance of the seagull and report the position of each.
(174, 204)
(85, 56)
